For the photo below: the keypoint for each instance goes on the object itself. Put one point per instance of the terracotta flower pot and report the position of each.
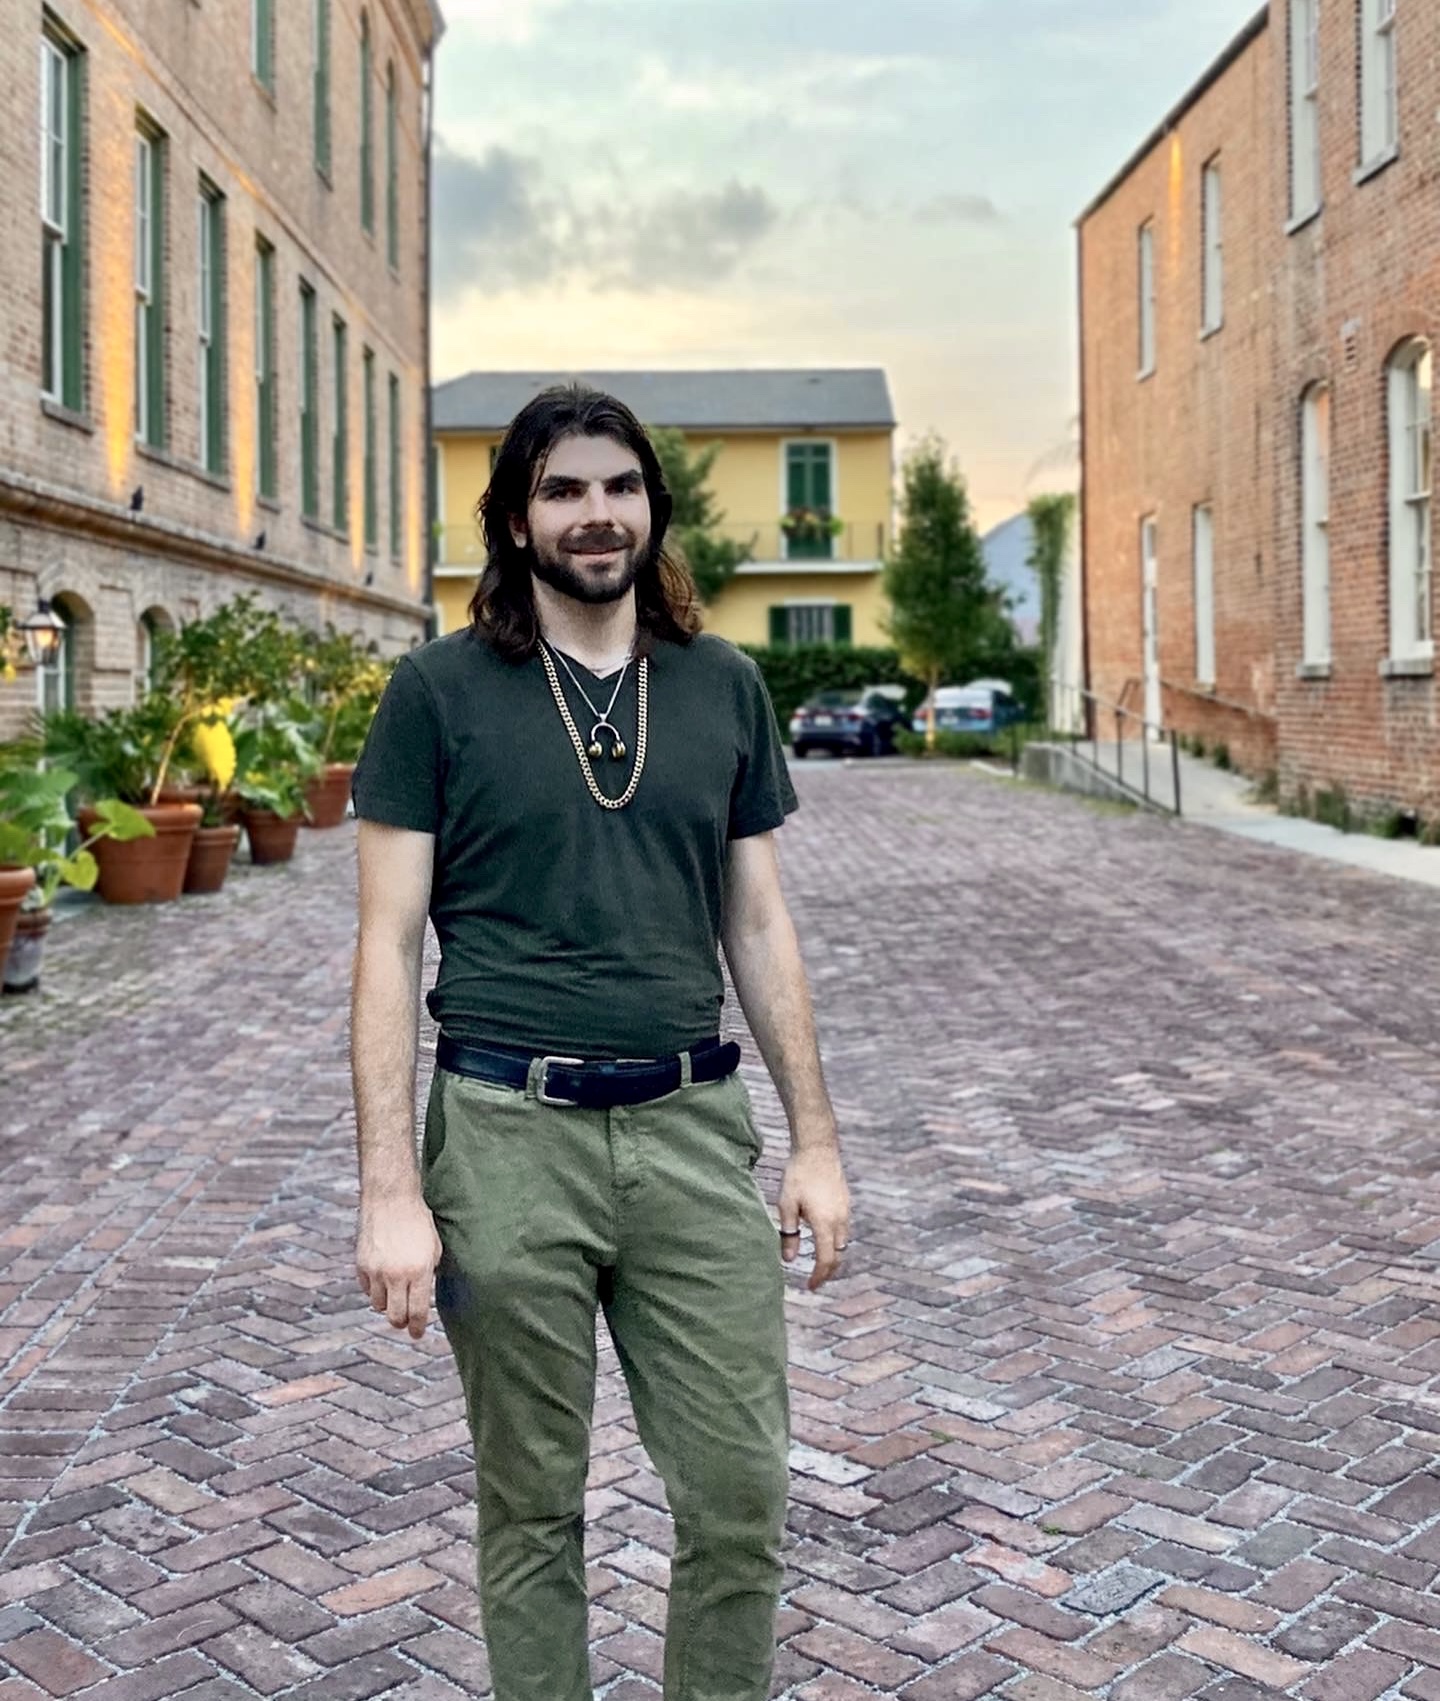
(210, 855)
(14, 884)
(27, 950)
(145, 871)
(328, 793)
(272, 837)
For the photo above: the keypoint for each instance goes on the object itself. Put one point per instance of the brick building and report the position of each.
(1259, 288)
(213, 366)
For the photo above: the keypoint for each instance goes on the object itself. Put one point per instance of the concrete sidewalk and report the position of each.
(1225, 801)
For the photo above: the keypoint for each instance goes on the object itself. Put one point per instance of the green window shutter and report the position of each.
(821, 495)
(262, 42)
(367, 127)
(322, 86)
(797, 484)
(309, 421)
(394, 439)
(266, 472)
(392, 181)
(371, 520)
(779, 625)
(340, 441)
(841, 617)
(155, 342)
(212, 287)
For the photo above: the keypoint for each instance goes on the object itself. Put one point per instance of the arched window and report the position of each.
(1315, 525)
(153, 620)
(1409, 389)
(55, 680)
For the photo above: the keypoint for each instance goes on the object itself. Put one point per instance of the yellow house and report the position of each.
(791, 443)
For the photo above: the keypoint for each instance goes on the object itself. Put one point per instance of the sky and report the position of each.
(689, 183)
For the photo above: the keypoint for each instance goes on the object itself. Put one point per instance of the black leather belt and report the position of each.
(587, 1083)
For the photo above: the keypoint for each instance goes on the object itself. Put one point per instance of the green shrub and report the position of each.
(1331, 808)
(1220, 756)
(1267, 787)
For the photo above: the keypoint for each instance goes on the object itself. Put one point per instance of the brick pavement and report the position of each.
(1129, 1391)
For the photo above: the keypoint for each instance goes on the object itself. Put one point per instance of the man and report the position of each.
(581, 791)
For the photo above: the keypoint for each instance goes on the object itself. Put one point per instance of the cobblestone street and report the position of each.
(1129, 1389)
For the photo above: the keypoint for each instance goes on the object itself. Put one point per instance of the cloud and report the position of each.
(687, 238)
(498, 226)
(493, 224)
(959, 209)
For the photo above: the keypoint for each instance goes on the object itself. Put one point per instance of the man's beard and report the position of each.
(561, 572)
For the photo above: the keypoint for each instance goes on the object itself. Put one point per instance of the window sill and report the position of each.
(266, 92)
(66, 416)
(1144, 373)
(270, 504)
(163, 458)
(1408, 667)
(1374, 167)
(1208, 331)
(1313, 670)
(1300, 220)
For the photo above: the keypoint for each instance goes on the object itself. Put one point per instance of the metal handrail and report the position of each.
(1096, 705)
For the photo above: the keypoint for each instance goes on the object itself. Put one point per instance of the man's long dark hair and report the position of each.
(502, 611)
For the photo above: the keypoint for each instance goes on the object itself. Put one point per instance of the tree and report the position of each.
(696, 525)
(944, 616)
(1051, 521)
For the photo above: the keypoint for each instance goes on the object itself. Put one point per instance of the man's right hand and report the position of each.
(396, 1251)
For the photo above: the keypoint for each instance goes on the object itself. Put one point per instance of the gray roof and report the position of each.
(697, 401)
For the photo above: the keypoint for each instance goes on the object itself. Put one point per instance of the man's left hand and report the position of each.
(814, 1192)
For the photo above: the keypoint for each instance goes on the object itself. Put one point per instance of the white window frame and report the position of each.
(1146, 286)
(1410, 409)
(1203, 548)
(54, 199)
(144, 278)
(1305, 184)
(1212, 213)
(1315, 429)
(1379, 84)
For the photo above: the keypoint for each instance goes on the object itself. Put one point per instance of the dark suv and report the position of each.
(852, 723)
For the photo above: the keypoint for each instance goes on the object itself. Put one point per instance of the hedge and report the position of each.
(795, 672)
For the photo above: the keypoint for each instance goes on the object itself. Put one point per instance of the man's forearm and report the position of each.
(383, 1022)
(770, 982)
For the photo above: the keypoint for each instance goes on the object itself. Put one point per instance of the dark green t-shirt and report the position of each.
(565, 927)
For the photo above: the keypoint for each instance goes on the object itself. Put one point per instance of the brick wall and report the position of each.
(186, 65)
(1195, 432)
(1221, 419)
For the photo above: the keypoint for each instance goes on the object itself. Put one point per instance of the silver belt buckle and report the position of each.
(542, 1092)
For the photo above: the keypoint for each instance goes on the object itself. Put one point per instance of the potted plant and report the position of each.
(811, 525)
(35, 828)
(212, 751)
(342, 685)
(274, 764)
(125, 755)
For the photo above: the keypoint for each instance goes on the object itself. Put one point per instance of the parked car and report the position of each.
(859, 722)
(986, 706)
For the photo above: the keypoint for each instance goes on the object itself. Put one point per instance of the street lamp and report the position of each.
(44, 634)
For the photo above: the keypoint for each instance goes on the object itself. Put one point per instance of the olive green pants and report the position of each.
(651, 1213)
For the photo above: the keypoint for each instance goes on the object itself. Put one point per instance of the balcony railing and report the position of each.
(461, 546)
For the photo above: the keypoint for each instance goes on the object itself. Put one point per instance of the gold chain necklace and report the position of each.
(642, 672)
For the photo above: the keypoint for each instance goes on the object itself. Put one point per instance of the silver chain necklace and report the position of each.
(617, 751)
(594, 752)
